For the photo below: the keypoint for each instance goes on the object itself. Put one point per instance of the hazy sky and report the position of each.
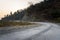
(6, 6)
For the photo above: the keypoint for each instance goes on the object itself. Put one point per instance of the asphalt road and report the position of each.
(46, 31)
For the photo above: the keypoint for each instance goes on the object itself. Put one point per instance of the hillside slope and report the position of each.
(47, 10)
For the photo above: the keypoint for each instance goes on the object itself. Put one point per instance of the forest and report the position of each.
(47, 10)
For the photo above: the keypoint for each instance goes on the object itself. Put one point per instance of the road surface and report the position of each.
(46, 31)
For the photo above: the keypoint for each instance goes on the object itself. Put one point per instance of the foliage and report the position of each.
(18, 15)
(46, 10)
(4, 23)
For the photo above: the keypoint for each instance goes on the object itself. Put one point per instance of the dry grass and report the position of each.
(3, 24)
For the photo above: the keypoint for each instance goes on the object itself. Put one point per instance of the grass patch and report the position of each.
(3, 23)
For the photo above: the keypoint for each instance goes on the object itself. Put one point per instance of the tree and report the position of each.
(30, 3)
(10, 13)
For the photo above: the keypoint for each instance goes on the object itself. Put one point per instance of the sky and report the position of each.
(6, 6)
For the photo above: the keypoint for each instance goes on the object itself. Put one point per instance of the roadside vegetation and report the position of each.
(4, 24)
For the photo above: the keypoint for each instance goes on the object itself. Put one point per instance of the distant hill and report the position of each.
(47, 10)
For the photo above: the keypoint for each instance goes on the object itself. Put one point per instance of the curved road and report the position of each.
(46, 31)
